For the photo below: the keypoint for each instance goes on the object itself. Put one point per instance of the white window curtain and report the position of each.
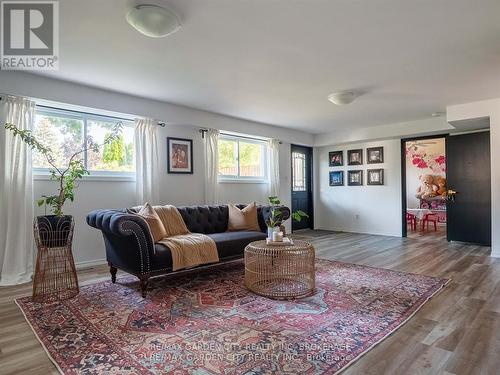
(16, 193)
(146, 161)
(211, 166)
(274, 167)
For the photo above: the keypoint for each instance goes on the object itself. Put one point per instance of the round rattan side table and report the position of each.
(280, 271)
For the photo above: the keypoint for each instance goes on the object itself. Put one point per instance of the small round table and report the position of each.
(280, 271)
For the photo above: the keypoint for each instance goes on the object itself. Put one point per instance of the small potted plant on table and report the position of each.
(275, 220)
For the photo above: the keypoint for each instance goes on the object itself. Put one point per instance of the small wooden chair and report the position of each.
(430, 218)
(412, 220)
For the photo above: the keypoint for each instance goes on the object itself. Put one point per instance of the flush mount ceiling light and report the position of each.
(342, 98)
(153, 20)
(437, 114)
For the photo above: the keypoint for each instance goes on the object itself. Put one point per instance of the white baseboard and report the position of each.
(90, 263)
(374, 233)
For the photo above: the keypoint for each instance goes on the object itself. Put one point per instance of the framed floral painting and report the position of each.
(336, 158)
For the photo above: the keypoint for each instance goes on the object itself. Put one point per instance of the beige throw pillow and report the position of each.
(245, 219)
(154, 222)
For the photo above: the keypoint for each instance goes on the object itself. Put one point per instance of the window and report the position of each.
(299, 171)
(65, 132)
(242, 158)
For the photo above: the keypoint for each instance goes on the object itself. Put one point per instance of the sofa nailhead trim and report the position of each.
(138, 241)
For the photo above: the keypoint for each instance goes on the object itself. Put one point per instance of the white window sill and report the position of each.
(117, 178)
(241, 181)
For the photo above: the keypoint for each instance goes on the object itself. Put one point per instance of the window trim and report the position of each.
(264, 160)
(44, 173)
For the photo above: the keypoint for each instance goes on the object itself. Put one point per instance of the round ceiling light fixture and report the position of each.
(342, 98)
(437, 114)
(153, 20)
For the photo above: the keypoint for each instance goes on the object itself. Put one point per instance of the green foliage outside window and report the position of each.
(241, 158)
(67, 174)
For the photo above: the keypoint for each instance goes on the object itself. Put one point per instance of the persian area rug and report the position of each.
(208, 323)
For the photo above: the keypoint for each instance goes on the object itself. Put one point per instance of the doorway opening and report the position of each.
(302, 189)
(424, 187)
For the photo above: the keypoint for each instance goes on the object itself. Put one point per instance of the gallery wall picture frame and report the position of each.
(375, 177)
(336, 158)
(375, 155)
(355, 178)
(336, 178)
(355, 157)
(179, 155)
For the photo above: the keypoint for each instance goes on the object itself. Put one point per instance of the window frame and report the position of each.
(264, 160)
(44, 173)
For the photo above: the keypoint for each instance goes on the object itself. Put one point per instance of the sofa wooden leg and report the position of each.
(112, 271)
(144, 285)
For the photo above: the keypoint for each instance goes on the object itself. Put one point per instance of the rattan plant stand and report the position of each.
(55, 274)
(280, 271)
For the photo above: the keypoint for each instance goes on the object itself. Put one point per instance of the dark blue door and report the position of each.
(302, 185)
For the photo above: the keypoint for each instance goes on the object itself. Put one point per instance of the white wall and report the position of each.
(491, 109)
(378, 207)
(40, 87)
(175, 189)
(88, 243)
(427, 126)
(182, 189)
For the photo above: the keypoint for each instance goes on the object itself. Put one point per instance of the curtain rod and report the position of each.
(203, 131)
(159, 123)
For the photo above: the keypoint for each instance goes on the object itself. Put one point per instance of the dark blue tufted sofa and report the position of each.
(129, 246)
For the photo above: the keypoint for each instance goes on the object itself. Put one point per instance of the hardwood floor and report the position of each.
(456, 332)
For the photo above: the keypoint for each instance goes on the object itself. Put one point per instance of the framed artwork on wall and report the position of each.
(355, 178)
(375, 155)
(337, 178)
(179, 155)
(355, 157)
(336, 158)
(375, 177)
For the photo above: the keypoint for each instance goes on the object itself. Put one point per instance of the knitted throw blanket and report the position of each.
(188, 249)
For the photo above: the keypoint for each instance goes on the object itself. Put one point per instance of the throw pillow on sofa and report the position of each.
(244, 219)
(156, 227)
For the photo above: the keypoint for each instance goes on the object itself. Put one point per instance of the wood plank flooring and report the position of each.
(456, 332)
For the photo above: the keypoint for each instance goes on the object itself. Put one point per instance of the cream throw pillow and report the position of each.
(154, 222)
(245, 219)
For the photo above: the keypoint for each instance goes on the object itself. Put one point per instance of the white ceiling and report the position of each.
(275, 61)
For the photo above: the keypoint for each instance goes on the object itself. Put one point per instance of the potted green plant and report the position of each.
(66, 178)
(275, 220)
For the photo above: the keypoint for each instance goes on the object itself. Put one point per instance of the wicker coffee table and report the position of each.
(280, 271)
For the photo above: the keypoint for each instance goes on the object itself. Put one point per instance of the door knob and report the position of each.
(450, 195)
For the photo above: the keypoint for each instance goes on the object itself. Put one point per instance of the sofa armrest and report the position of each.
(118, 225)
